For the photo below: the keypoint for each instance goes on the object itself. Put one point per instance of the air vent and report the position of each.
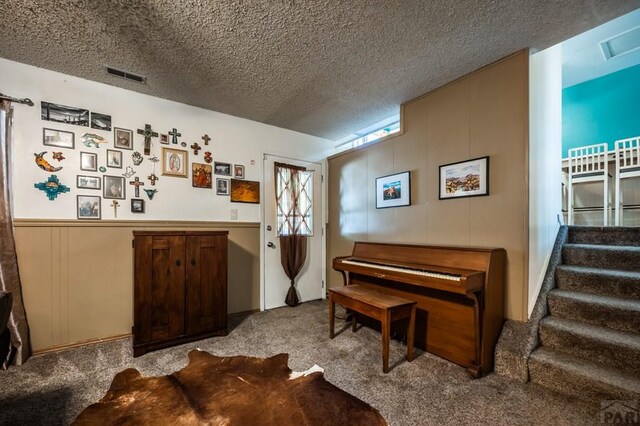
(621, 44)
(126, 74)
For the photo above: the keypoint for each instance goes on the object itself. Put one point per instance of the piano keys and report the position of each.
(459, 293)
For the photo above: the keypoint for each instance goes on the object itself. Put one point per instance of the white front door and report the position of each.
(310, 280)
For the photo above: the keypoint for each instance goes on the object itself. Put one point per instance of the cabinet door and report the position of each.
(206, 283)
(159, 288)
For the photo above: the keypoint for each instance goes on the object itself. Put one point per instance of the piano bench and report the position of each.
(382, 307)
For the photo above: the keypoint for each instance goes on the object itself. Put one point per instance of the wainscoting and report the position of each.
(77, 277)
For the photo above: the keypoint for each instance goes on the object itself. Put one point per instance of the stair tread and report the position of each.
(589, 369)
(615, 273)
(594, 332)
(603, 247)
(597, 299)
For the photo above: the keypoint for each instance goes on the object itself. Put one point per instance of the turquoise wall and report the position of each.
(601, 110)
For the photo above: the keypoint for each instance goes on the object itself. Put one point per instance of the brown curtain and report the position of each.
(9, 275)
(293, 246)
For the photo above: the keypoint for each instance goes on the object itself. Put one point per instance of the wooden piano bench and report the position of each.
(382, 307)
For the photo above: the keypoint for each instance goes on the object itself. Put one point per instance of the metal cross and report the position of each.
(115, 204)
(206, 139)
(174, 135)
(148, 134)
(195, 147)
(153, 178)
(136, 182)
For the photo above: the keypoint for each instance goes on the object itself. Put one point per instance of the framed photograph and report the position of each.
(464, 179)
(100, 121)
(58, 138)
(222, 186)
(245, 191)
(88, 182)
(238, 171)
(114, 158)
(137, 205)
(222, 168)
(175, 162)
(113, 187)
(201, 175)
(88, 207)
(122, 138)
(64, 114)
(393, 190)
(89, 161)
(164, 139)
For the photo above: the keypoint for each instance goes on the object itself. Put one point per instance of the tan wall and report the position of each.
(485, 113)
(77, 277)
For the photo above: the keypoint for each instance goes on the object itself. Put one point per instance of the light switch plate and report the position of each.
(234, 214)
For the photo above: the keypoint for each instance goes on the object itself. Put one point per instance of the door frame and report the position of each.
(323, 236)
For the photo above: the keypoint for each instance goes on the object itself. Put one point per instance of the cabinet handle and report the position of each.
(178, 263)
(193, 262)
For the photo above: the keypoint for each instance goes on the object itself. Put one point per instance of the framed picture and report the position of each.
(114, 158)
(137, 205)
(100, 121)
(113, 187)
(465, 179)
(393, 190)
(222, 186)
(201, 175)
(245, 191)
(58, 138)
(164, 139)
(122, 138)
(238, 171)
(64, 114)
(89, 161)
(175, 162)
(222, 168)
(88, 207)
(88, 182)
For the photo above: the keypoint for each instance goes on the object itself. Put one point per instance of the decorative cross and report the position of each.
(206, 139)
(115, 206)
(174, 135)
(195, 147)
(153, 178)
(136, 182)
(148, 134)
(207, 156)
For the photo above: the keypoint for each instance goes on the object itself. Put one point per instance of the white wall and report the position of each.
(545, 149)
(234, 140)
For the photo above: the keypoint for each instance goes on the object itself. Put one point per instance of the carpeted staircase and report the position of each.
(590, 340)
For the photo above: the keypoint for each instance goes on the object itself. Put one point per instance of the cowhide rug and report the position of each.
(236, 390)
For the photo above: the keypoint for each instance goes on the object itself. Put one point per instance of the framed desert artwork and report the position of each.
(393, 190)
(468, 178)
(245, 191)
(175, 162)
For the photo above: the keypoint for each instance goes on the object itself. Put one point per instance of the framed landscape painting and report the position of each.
(465, 179)
(393, 190)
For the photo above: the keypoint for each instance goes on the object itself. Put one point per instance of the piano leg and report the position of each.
(332, 317)
(386, 332)
(476, 369)
(410, 333)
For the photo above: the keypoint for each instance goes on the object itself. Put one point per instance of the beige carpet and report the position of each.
(54, 388)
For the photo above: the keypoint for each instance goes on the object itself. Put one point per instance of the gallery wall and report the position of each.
(601, 110)
(483, 114)
(77, 275)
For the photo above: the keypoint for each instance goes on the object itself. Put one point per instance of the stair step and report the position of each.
(622, 284)
(623, 258)
(610, 312)
(578, 377)
(603, 345)
(611, 236)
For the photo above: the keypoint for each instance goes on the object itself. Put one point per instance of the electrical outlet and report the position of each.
(234, 214)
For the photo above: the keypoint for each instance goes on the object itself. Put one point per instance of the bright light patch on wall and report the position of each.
(621, 44)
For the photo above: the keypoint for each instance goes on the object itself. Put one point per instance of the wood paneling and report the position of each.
(485, 113)
(77, 277)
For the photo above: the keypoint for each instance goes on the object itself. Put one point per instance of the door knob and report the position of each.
(271, 245)
(268, 227)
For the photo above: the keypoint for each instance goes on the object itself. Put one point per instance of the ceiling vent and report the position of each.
(621, 44)
(126, 74)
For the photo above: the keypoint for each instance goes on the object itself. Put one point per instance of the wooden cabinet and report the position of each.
(180, 288)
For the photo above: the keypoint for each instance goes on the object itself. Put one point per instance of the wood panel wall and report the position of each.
(484, 113)
(77, 277)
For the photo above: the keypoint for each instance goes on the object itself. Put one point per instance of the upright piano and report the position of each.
(459, 293)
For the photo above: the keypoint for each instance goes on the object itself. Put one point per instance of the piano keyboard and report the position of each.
(411, 271)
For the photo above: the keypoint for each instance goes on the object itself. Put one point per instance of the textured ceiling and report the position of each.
(325, 67)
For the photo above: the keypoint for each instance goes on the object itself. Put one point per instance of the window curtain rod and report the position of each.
(25, 101)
